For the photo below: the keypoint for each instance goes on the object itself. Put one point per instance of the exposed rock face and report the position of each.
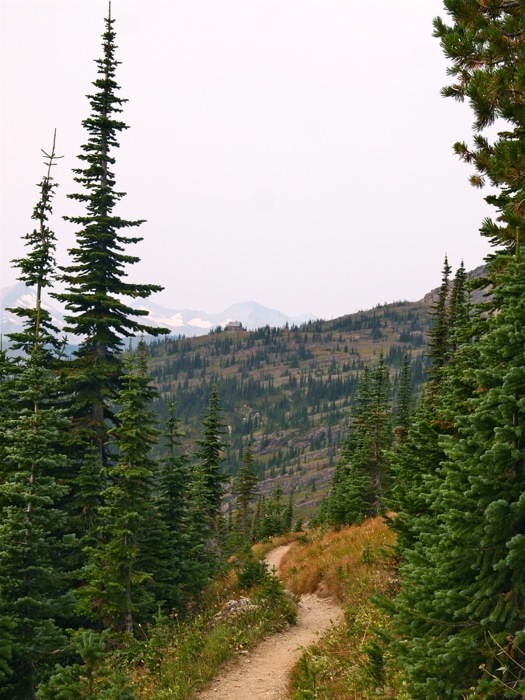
(477, 295)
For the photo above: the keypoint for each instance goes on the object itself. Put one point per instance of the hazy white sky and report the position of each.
(293, 152)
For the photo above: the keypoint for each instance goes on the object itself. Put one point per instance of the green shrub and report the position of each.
(253, 573)
(92, 680)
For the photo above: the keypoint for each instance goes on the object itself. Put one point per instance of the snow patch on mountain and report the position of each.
(188, 322)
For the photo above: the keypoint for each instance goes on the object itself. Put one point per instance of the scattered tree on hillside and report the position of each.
(245, 487)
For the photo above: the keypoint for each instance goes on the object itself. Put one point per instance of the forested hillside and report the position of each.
(288, 390)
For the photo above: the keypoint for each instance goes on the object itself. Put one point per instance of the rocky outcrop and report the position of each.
(234, 608)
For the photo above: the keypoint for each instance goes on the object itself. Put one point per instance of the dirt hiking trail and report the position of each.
(263, 672)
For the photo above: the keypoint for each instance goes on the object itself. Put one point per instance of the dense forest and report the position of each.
(133, 476)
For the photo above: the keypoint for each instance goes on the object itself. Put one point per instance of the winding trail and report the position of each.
(263, 673)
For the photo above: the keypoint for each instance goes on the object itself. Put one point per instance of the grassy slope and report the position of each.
(352, 565)
(178, 659)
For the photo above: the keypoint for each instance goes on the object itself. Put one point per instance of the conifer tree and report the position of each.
(33, 525)
(484, 45)
(439, 340)
(38, 270)
(258, 518)
(96, 284)
(362, 479)
(459, 614)
(416, 462)
(115, 589)
(173, 473)
(245, 486)
(33, 592)
(210, 457)
(273, 514)
(403, 403)
(92, 679)
(343, 503)
(7, 405)
(6, 410)
(203, 553)
(380, 434)
(171, 577)
(288, 514)
(459, 312)
(464, 584)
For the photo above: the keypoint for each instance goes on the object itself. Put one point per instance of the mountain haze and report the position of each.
(187, 322)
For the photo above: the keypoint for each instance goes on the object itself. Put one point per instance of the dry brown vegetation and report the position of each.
(262, 548)
(349, 564)
(352, 565)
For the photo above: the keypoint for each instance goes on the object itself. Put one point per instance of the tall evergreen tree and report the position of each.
(115, 589)
(362, 478)
(461, 605)
(343, 504)
(203, 552)
(8, 409)
(245, 487)
(210, 457)
(33, 593)
(96, 284)
(173, 501)
(416, 463)
(173, 473)
(459, 614)
(38, 270)
(380, 434)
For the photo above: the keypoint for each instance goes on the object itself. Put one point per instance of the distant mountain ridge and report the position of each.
(187, 322)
